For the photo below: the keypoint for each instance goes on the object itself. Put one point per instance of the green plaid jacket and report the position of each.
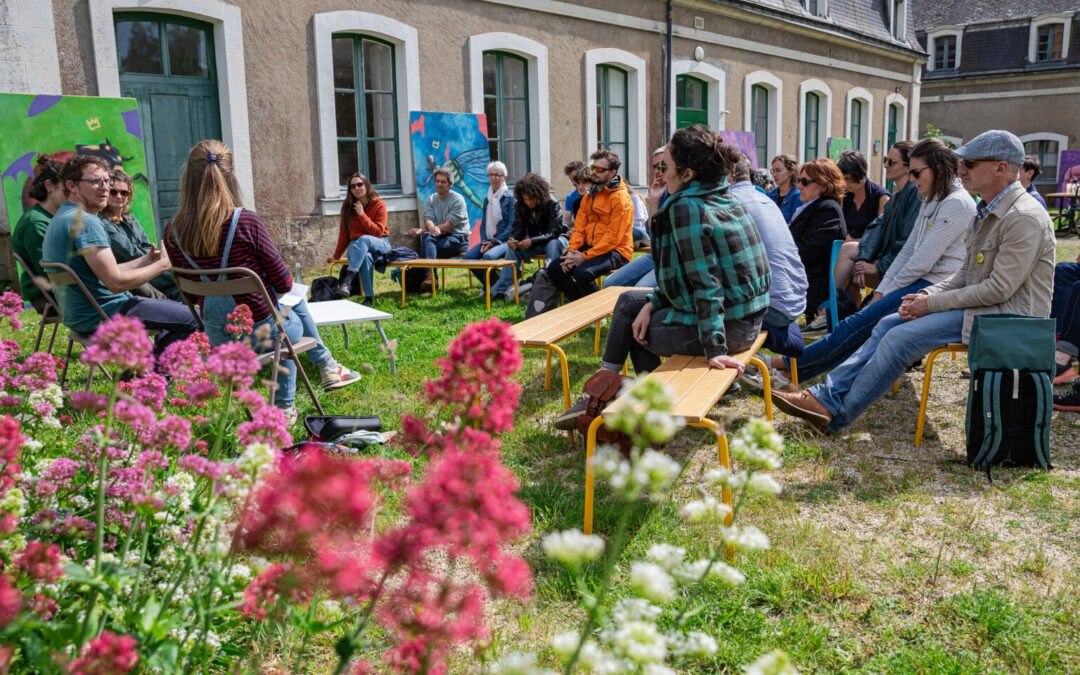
(710, 262)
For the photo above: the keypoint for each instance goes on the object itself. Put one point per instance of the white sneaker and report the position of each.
(291, 415)
(820, 322)
(754, 380)
(336, 378)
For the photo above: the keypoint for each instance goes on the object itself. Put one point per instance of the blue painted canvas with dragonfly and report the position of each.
(458, 142)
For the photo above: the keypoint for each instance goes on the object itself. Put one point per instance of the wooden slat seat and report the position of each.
(696, 389)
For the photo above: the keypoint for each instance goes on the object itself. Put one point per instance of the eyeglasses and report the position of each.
(915, 173)
(660, 166)
(353, 186)
(495, 175)
(96, 182)
(599, 169)
(803, 181)
(890, 162)
(113, 192)
(969, 164)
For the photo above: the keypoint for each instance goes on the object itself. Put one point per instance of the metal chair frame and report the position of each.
(52, 315)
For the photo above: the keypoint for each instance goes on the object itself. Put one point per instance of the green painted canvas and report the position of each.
(64, 126)
(837, 147)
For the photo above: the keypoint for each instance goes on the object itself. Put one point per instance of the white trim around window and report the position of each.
(867, 121)
(407, 69)
(228, 55)
(824, 117)
(939, 32)
(1063, 18)
(898, 24)
(901, 119)
(634, 66)
(776, 90)
(717, 81)
(1063, 144)
(536, 54)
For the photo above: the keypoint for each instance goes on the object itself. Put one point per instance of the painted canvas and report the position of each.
(1069, 169)
(838, 146)
(455, 141)
(64, 126)
(745, 141)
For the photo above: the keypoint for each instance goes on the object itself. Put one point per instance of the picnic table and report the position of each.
(343, 312)
(1066, 220)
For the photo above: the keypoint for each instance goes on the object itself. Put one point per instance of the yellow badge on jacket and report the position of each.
(979, 258)
(929, 224)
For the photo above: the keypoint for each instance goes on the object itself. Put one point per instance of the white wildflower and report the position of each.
(255, 458)
(651, 582)
(757, 444)
(655, 472)
(564, 644)
(764, 483)
(519, 663)
(640, 642)
(79, 502)
(746, 538)
(656, 669)
(635, 609)
(572, 547)
(708, 509)
(609, 463)
(185, 484)
(239, 573)
(13, 502)
(724, 477)
(691, 645)
(331, 608)
(774, 663)
(726, 573)
(667, 556)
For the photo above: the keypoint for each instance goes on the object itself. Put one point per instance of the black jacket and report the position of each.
(541, 224)
(814, 230)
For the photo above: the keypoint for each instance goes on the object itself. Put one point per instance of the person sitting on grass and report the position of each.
(496, 223)
(212, 230)
(1009, 269)
(711, 267)
(361, 231)
(538, 229)
(933, 253)
(48, 191)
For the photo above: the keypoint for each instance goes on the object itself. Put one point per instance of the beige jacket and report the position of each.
(1009, 267)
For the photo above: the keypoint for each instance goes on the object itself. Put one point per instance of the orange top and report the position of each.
(372, 221)
(605, 222)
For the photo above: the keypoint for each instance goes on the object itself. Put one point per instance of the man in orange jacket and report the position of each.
(602, 240)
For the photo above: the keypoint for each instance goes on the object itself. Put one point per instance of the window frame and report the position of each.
(715, 78)
(866, 120)
(1064, 20)
(500, 101)
(898, 25)
(361, 139)
(1047, 137)
(812, 133)
(636, 162)
(816, 8)
(161, 19)
(603, 110)
(825, 97)
(933, 36)
(775, 109)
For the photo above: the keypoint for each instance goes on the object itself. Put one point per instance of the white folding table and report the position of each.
(343, 312)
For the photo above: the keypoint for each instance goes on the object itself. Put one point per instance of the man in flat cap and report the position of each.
(1009, 269)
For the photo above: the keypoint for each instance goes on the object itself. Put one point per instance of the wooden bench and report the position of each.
(696, 388)
(545, 330)
(455, 264)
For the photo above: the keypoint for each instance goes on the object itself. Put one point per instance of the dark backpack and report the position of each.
(601, 389)
(1011, 394)
(324, 289)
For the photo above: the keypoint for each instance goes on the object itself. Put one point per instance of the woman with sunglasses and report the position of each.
(932, 253)
(361, 231)
(785, 172)
(815, 226)
(128, 239)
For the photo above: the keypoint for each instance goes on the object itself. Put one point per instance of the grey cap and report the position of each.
(994, 144)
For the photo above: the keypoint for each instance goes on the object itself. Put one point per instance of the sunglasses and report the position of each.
(96, 182)
(890, 162)
(599, 169)
(660, 166)
(969, 164)
(915, 173)
(353, 186)
(804, 181)
(118, 193)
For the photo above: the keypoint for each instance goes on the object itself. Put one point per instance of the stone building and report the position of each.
(999, 65)
(306, 91)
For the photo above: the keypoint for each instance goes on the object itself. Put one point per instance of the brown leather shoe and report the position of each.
(803, 405)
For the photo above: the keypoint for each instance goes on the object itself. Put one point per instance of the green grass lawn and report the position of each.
(885, 558)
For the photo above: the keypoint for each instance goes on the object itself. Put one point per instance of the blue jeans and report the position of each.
(638, 272)
(443, 246)
(551, 250)
(1066, 285)
(298, 323)
(496, 252)
(172, 318)
(359, 255)
(893, 346)
(830, 351)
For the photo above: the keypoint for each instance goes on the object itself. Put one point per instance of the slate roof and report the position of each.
(867, 20)
(927, 14)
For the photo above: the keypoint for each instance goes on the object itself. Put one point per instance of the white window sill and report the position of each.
(331, 206)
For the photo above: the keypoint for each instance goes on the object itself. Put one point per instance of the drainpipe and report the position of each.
(666, 131)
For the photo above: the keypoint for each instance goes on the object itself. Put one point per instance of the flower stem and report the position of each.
(345, 654)
(307, 634)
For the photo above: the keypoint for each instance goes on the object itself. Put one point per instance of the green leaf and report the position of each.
(163, 659)
(150, 614)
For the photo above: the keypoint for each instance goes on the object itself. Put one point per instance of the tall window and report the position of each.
(891, 131)
(856, 131)
(814, 6)
(506, 104)
(759, 122)
(813, 109)
(1049, 44)
(612, 128)
(365, 103)
(899, 19)
(691, 101)
(945, 52)
(1047, 152)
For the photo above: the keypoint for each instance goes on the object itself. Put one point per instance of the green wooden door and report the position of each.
(167, 64)
(691, 101)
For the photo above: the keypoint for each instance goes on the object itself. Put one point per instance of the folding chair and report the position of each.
(52, 307)
(246, 282)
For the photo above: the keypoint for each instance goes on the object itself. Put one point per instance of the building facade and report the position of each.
(1004, 66)
(308, 91)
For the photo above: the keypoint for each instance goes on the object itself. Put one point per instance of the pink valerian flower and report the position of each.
(41, 561)
(11, 305)
(250, 399)
(44, 606)
(277, 582)
(268, 425)
(202, 391)
(107, 654)
(477, 376)
(172, 432)
(121, 342)
(206, 468)
(10, 601)
(37, 371)
(183, 360)
(11, 441)
(142, 420)
(149, 389)
(240, 321)
(152, 459)
(88, 401)
(10, 401)
(61, 472)
(202, 342)
(233, 363)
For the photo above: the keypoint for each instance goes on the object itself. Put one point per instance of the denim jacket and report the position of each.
(506, 225)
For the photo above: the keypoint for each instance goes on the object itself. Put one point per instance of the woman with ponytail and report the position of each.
(211, 230)
(47, 191)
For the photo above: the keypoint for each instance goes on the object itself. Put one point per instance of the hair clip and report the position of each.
(213, 158)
